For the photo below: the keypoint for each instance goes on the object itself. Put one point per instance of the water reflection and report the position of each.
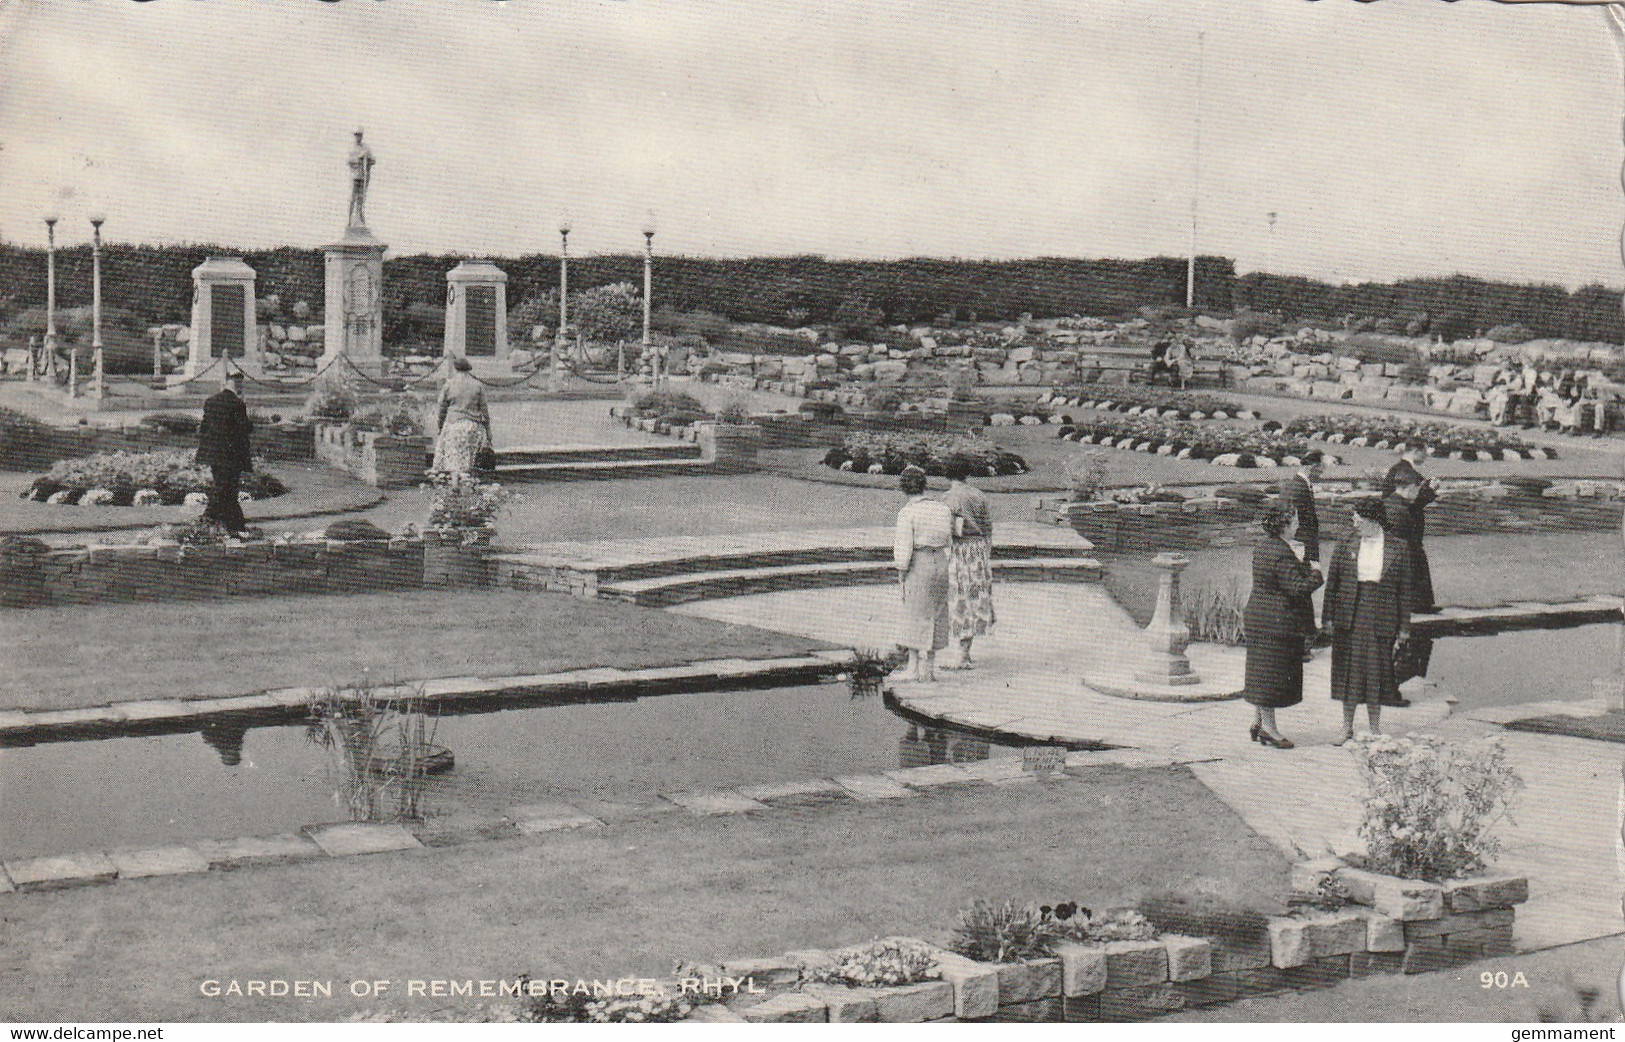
(924, 746)
(227, 740)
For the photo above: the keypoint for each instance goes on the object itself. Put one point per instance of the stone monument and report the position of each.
(222, 319)
(477, 313)
(355, 278)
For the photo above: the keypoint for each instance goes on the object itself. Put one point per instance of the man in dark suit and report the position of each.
(224, 447)
(1298, 490)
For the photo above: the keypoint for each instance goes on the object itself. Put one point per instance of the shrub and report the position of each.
(1430, 804)
(1329, 895)
(890, 453)
(576, 1007)
(172, 422)
(20, 433)
(1512, 333)
(1249, 323)
(1086, 475)
(332, 398)
(677, 408)
(734, 409)
(879, 964)
(171, 474)
(458, 501)
(1009, 932)
(402, 418)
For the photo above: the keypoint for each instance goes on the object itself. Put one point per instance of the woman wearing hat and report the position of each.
(1369, 593)
(465, 422)
(1277, 620)
(925, 531)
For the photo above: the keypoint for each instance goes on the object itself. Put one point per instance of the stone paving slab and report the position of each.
(158, 861)
(293, 696)
(348, 839)
(154, 709)
(550, 816)
(1529, 710)
(96, 716)
(873, 787)
(237, 704)
(49, 873)
(721, 801)
(785, 790)
(930, 775)
(251, 848)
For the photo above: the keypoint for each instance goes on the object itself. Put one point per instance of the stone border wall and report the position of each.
(381, 460)
(101, 575)
(1403, 926)
(283, 441)
(1206, 521)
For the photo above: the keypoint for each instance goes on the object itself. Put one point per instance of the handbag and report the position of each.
(485, 459)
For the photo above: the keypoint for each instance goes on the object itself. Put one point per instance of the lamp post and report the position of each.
(648, 283)
(98, 383)
(50, 291)
(559, 343)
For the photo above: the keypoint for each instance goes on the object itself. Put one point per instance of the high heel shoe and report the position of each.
(1254, 731)
(1265, 738)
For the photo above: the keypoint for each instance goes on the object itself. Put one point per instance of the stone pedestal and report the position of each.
(222, 318)
(477, 313)
(1166, 636)
(1159, 670)
(355, 300)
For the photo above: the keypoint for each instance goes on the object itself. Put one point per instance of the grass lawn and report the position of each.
(628, 898)
(1468, 570)
(59, 658)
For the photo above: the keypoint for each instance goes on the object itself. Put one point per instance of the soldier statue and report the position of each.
(361, 163)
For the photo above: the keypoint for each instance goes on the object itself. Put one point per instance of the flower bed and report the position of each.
(1225, 446)
(869, 452)
(1169, 404)
(138, 479)
(1438, 439)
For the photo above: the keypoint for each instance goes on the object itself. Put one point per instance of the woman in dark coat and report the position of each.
(1406, 495)
(1278, 618)
(1369, 593)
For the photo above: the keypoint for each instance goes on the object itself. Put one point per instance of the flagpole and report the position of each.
(1196, 173)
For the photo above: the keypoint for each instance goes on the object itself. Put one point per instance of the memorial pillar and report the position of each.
(222, 319)
(354, 301)
(477, 314)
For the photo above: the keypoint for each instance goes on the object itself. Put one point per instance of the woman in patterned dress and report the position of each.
(970, 562)
(465, 422)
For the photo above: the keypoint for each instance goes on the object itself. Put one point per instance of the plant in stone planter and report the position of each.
(382, 749)
(460, 504)
(869, 669)
(1007, 932)
(1329, 894)
(879, 964)
(1430, 805)
(1086, 475)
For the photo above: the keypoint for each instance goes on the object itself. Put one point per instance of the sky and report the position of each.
(1401, 138)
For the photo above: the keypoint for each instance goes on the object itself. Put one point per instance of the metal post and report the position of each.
(553, 375)
(157, 359)
(648, 283)
(50, 291)
(33, 352)
(1196, 175)
(98, 385)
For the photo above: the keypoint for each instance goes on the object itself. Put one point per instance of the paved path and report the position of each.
(1304, 800)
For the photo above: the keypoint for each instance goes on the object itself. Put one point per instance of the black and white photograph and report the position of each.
(760, 512)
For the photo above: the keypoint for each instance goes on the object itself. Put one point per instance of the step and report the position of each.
(600, 469)
(532, 455)
(664, 591)
(820, 555)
